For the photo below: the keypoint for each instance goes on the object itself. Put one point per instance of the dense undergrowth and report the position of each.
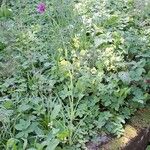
(79, 69)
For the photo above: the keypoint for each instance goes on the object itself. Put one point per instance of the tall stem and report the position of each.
(71, 107)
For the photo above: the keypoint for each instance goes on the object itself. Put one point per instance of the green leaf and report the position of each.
(11, 144)
(20, 134)
(124, 76)
(24, 107)
(5, 12)
(52, 144)
(39, 131)
(55, 111)
(98, 41)
(22, 125)
(103, 117)
(148, 148)
(63, 134)
(25, 143)
(2, 46)
(47, 64)
(111, 21)
(8, 104)
(138, 95)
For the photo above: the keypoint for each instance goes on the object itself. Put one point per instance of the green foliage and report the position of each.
(5, 12)
(74, 72)
(148, 148)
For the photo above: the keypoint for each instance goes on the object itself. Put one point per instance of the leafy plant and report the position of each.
(74, 71)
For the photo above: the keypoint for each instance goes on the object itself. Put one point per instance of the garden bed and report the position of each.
(73, 72)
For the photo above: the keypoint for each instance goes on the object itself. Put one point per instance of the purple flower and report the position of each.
(41, 8)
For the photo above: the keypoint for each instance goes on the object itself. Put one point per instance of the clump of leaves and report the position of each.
(79, 70)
